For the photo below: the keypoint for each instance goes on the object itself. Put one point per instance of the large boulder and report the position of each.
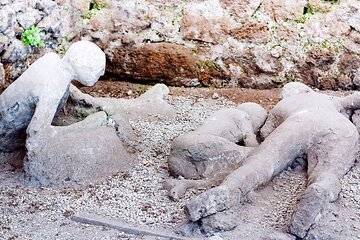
(80, 153)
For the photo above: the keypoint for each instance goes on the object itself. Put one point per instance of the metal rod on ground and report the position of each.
(93, 219)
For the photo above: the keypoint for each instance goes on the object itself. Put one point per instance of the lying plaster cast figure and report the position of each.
(151, 103)
(207, 155)
(31, 102)
(304, 122)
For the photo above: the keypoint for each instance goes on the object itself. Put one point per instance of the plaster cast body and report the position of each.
(207, 155)
(302, 124)
(31, 102)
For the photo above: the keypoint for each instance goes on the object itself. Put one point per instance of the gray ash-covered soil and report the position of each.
(137, 196)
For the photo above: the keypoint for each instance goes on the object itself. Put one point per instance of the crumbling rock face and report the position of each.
(163, 62)
(172, 36)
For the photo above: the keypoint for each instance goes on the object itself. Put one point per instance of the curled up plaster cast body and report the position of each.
(207, 155)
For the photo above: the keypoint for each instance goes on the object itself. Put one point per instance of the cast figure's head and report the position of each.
(294, 88)
(85, 61)
(256, 113)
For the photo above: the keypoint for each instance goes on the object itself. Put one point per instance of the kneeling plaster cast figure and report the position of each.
(31, 102)
(87, 150)
(207, 155)
(304, 122)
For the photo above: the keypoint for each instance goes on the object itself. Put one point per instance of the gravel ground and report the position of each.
(137, 196)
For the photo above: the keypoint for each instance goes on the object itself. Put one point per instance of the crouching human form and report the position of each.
(31, 102)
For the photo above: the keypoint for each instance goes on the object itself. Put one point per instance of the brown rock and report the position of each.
(258, 68)
(252, 32)
(281, 10)
(352, 44)
(241, 9)
(164, 62)
(287, 34)
(328, 82)
(200, 29)
(320, 58)
(349, 64)
(312, 71)
(345, 83)
(200, 24)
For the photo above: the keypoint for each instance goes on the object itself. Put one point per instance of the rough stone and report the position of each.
(4, 41)
(281, 10)
(8, 19)
(16, 51)
(2, 74)
(356, 79)
(29, 18)
(51, 24)
(57, 155)
(252, 32)
(205, 21)
(206, 41)
(167, 62)
(241, 9)
(46, 6)
(352, 44)
(256, 69)
(266, 62)
(312, 70)
(222, 221)
(354, 20)
(349, 64)
(324, 27)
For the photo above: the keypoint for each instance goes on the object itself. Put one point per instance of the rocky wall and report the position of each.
(245, 43)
